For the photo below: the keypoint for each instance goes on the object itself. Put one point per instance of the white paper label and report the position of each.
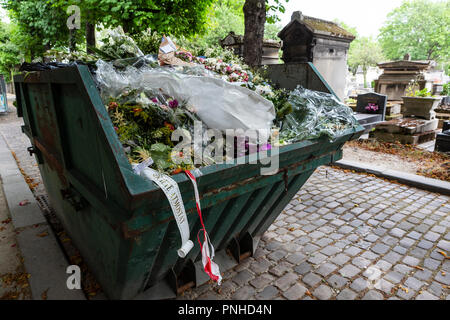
(172, 192)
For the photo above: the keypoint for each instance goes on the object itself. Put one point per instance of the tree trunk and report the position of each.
(72, 40)
(255, 19)
(90, 37)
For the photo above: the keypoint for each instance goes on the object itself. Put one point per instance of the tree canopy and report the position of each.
(364, 52)
(10, 55)
(38, 25)
(176, 17)
(420, 28)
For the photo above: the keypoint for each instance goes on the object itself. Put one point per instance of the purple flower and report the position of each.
(155, 100)
(372, 107)
(173, 104)
(265, 147)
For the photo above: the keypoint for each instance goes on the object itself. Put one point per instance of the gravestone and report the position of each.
(3, 95)
(369, 118)
(364, 101)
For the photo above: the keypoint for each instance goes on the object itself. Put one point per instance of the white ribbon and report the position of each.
(172, 192)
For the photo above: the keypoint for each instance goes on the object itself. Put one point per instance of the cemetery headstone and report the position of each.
(372, 103)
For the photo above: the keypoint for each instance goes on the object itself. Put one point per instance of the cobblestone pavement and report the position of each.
(344, 236)
(348, 236)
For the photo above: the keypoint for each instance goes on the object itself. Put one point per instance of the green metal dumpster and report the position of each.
(122, 223)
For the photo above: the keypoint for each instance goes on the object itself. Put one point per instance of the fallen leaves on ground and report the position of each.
(44, 294)
(434, 165)
(30, 181)
(397, 287)
(43, 234)
(15, 278)
(418, 267)
(18, 283)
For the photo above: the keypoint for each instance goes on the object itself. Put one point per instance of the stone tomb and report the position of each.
(406, 131)
(443, 114)
(394, 110)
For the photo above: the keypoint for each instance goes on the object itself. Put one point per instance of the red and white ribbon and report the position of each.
(211, 268)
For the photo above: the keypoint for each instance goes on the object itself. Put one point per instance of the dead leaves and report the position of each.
(419, 268)
(399, 287)
(15, 278)
(42, 235)
(6, 221)
(30, 181)
(44, 295)
(431, 164)
(444, 254)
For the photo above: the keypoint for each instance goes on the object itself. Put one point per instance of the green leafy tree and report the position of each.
(271, 31)
(40, 26)
(176, 17)
(364, 52)
(420, 28)
(224, 16)
(10, 55)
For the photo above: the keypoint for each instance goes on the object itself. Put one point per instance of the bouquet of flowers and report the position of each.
(371, 107)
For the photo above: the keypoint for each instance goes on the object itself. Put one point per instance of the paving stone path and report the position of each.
(344, 236)
(348, 236)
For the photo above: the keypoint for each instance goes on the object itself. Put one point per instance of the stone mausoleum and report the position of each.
(324, 43)
(397, 76)
(235, 42)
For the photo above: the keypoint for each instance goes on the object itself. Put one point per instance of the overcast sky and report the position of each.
(366, 15)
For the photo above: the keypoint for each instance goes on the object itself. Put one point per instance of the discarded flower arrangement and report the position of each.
(152, 100)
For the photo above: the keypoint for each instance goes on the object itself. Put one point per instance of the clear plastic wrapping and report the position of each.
(316, 114)
(219, 104)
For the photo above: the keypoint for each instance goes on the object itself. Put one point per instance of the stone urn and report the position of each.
(422, 107)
